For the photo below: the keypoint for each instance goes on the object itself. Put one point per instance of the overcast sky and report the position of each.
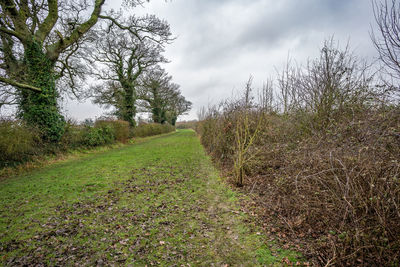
(220, 43)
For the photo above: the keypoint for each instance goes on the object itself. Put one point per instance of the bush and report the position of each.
(72, 137)
(97, 136)
(18, 142)
(120, 128)
(329, 174)
(186, 124)
(102, 133)
(339, 185)
(149, 129)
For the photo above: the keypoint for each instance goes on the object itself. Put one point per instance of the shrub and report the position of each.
(97, 136)
(18, 142)
(120, 128)
(339, 185)
(186, 124)
(72, 137)
(149, 129)
(328, 173)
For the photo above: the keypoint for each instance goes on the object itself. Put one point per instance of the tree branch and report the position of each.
(49, 22)
(18, 20)
(19, 85)
(10, 32)
(54, 50)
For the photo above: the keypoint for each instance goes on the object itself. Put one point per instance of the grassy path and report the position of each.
(158, 202)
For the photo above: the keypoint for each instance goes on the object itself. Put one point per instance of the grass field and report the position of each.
(158, 202)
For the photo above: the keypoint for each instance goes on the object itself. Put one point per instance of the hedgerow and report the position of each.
(20, 142)
(324, 171)
(149, 129)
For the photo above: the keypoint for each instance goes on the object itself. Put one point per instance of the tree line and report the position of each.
(48, 48)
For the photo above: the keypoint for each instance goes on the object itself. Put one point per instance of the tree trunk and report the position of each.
(40, 109)
(173, 120)
(129, 111)
(157, 116)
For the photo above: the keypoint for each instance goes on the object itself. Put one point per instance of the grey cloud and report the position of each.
(271, 27)
(220, 43)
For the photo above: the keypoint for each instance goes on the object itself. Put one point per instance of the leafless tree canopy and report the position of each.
(123, 51)
(326, 85)
(61, 27)
(387, 40)
(161, 97)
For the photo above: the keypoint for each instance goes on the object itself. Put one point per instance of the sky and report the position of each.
(220, 43)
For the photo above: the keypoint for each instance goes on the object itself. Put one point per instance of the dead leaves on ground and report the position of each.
(139, 220)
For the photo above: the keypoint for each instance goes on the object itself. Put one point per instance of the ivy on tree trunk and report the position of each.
(40, 108)
(129, 111)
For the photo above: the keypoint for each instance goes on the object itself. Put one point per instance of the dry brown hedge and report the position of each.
(337, 188)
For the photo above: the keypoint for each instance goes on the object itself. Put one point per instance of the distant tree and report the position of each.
(122, 56)
(37, 40)
(154, 94)
(162, 97)
(387, 43)
(178, 106)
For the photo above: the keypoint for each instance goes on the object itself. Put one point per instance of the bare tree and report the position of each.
(266, 96)
(37, 39)
(122, 56)
(332, 82)
(177, 106)
(245, 134)
(288, 89)
(387, 43)
(162, 97)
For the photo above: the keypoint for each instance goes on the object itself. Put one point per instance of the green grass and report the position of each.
(156, 202)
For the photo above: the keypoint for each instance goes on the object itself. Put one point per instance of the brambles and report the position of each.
(97, 136)
(324, 166)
